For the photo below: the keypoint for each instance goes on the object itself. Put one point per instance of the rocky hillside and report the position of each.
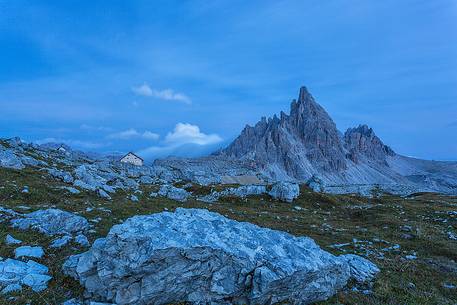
(306, 144)
(63, 244)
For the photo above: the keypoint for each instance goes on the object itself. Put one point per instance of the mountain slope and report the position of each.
(306, 144)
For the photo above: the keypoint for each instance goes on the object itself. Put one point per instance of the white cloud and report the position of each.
(73, 143)
(185, 133)
(94, 128)
(143, 90)
(150, 135)
(167, 94)
(178, 141)
(133, 133)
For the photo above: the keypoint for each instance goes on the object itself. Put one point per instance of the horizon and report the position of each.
(184, 77)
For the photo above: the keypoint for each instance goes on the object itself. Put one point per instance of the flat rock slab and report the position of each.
(14, 274)
(29, 251)
(52, 222)
(202, 257)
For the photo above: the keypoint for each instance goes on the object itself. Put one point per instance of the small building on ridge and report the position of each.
(132, 159)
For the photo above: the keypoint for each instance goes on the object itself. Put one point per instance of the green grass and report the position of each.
(328, 219)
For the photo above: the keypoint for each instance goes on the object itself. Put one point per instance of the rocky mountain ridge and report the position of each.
(306, 144)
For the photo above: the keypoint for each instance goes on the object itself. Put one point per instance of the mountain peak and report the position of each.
(308, 130)
(304, 94)
(362, 141)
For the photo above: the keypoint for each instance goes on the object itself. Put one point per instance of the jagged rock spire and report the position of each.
(304, 94)
(306, 136)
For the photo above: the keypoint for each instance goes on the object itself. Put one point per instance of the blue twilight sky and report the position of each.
(184, 77)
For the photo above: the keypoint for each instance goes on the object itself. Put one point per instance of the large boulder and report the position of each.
(52, 222)
(61, 175)
(9, 160)
(362, 270)
(202, 257)
(174, 193)
(240, 192)
(285, 191)
(14, 274)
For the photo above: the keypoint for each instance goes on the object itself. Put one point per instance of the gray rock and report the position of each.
(173, 193)
(244, 191)
(362, 270)
(32, 274)
(61, 242)
(9, 160)
(285, 191)
(72, 302)
(449, 286)
(52, 222)
(202, 257)
(146, 180)
(240, 192)
(10, 240)
(103, 194)
(61, 175)
(12, 288)
(71, 189)
(82, 240)
(316, 184)
(134, 198)
(28, 251)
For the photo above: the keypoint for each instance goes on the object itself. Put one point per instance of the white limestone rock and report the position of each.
(362, 270)
(11, 288)
(285, 191)
(10, 240)
(52, 222)
(173, 193)
(61, 242)
(240, 192)
(9, 160)
(103, 194)
(202, 257)
(82, 240)
(28, 251)
(61, 175)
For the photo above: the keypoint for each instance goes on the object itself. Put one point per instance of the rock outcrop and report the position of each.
(14, 274)
(174, 193)
(52, 222)
(202, 257)
(285, 191)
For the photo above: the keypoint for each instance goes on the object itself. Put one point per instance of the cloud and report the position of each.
(73, 143)
(185, 133)
(143, 90)
(150, 135)
(94, 128)
(185, 140)
(167, 94)
(133, 133)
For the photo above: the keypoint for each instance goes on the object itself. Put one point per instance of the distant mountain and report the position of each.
(306, 144)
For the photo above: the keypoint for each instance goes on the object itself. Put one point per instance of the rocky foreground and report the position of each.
(201, 257)
(78, 247)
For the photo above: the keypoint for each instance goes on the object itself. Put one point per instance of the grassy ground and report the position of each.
(370, 227)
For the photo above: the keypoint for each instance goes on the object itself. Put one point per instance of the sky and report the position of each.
(184, 77)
